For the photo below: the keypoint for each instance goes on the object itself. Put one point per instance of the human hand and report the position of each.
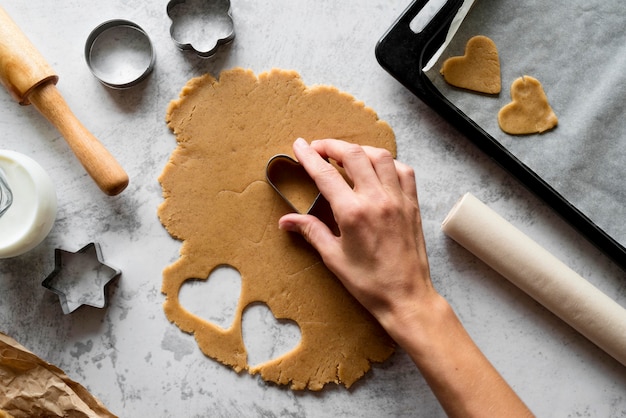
(379, 254)
(380, 257)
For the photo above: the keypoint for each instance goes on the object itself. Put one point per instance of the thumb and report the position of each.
(311, 228)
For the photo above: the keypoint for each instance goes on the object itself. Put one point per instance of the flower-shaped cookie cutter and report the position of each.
(80, 278)
(201, 26)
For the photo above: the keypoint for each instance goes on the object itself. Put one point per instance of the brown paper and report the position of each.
(31, 387)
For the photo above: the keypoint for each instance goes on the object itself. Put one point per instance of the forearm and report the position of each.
(461, 377)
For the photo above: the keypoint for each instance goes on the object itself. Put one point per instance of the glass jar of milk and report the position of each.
(28, 204)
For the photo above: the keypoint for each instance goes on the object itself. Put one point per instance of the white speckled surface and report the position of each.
(136, 362)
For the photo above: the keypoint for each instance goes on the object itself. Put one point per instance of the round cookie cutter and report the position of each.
(119, 53)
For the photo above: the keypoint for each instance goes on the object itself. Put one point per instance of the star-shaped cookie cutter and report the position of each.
(80, 278)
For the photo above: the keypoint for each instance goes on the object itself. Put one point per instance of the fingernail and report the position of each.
(300, 143)
(285, 225)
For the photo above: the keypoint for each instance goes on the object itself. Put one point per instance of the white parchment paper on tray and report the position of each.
(577, 50)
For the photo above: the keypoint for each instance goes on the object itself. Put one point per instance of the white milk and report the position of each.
(31, 216)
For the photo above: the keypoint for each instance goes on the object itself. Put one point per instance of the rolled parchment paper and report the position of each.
(538, 273)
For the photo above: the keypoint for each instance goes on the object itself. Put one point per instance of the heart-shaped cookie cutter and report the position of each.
(216, 23)
(287, 176)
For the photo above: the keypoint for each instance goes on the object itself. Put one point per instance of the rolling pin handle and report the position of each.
(95, 158)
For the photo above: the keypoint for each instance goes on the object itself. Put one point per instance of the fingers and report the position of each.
(352, 158)
(328, 180)
(384, 165)
(312, 229)
(406, 178)
(367, 167)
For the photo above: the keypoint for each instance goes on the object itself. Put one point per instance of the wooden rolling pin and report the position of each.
(30, 80)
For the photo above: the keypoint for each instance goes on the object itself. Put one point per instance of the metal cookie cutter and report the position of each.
(119, 53)
(292, 182)
(201, 26)
(80, 278)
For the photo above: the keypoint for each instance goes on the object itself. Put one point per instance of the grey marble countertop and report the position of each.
(133, 359)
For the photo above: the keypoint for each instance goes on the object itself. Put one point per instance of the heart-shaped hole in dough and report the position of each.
(289, 178)
(529, 111)
(214, 299)
(266, 337)
(477, 70)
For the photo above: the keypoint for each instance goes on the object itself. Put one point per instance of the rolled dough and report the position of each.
(217, 201)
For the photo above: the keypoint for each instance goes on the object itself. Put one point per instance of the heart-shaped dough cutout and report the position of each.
(214, 299)
(529, 112)
(265, 337)
(478, 70)
(289, 178)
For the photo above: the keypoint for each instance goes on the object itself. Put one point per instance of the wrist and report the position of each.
(417, 324)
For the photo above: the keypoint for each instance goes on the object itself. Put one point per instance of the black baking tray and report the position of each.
(403, 53)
